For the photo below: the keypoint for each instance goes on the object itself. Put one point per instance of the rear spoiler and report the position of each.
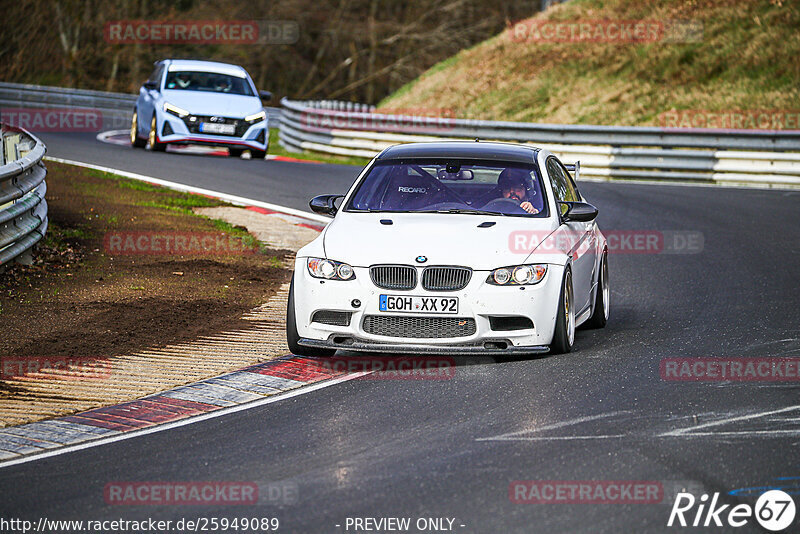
(575, 169)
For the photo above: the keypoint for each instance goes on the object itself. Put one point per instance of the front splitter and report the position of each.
(398, 348)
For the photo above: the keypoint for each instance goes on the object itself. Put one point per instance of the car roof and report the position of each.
(462, 150)
(206, 66)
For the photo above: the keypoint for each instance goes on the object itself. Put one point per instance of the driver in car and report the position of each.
(515, 184)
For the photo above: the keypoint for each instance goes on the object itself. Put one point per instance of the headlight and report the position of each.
(329, 269)
(175, 110)
(256, 117)
(517, 275)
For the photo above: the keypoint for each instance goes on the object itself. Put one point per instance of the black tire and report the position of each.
(564, 333)
(257, 154)
(136, 141)
(152, 138)
(599, 316)
(292, 337)
(235, 152)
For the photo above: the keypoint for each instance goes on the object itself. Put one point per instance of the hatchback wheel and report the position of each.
(136, 141)
(152, 138)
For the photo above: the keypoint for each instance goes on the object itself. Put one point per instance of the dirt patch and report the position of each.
(83, 298)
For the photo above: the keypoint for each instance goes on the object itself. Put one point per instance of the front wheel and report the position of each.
(599, 317)
(292, 337)
(136, 141)
(564, 334)
(257, 154)
(152, 138)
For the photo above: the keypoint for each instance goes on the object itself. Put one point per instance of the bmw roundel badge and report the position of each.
(422, 259)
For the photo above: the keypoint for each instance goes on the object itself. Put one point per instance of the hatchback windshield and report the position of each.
(451, 187)
(212, 82)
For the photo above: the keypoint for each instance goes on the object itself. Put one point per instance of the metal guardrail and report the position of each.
(745, 157)
(23, 209)
(115, 108)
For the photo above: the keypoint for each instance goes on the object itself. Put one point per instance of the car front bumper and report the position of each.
(255, 136)
(478, 301)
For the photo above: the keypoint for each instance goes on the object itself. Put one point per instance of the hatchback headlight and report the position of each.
(175, 110)
(329, 269)
(517, 275)
(256, 117)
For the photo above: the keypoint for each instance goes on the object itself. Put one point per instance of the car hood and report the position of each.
(361, 239)
(201, 103)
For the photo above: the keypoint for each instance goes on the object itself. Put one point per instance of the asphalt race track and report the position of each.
(284, 183)
(451, 448)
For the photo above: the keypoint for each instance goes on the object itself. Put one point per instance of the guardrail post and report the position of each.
(26, 258)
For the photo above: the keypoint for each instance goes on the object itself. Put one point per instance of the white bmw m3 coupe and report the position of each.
(448, 248)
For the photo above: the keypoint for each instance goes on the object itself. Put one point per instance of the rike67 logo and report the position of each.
(774, 511)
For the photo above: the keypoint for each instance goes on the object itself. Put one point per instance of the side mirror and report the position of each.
(579, 211)
(325, 204)
(150, 86)
(265, 95)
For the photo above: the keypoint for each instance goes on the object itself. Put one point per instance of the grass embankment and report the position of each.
(745, 59)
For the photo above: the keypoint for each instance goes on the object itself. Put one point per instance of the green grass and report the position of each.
(240, 232)
(70, 233)
(184, 203)
(136, 185)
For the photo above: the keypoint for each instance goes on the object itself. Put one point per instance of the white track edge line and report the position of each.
(183, 422)
(233, 199)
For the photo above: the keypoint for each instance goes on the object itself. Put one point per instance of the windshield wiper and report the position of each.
(471, 211)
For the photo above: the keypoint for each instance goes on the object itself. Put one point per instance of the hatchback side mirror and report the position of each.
(151, 86)
(325, 204)
(579, 211)
(265, 95)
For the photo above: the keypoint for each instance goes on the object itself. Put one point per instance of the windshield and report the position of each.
(451, 186)
(211, 82)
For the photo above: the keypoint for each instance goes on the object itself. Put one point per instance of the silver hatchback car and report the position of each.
(201, 102)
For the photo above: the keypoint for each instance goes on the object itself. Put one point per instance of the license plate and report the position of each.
(397, 303)
(212, 128)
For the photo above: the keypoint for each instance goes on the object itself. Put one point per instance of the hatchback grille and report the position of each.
(331, 317)
(446, 278)
(419, 327)
(394, 276)
(193, 124)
